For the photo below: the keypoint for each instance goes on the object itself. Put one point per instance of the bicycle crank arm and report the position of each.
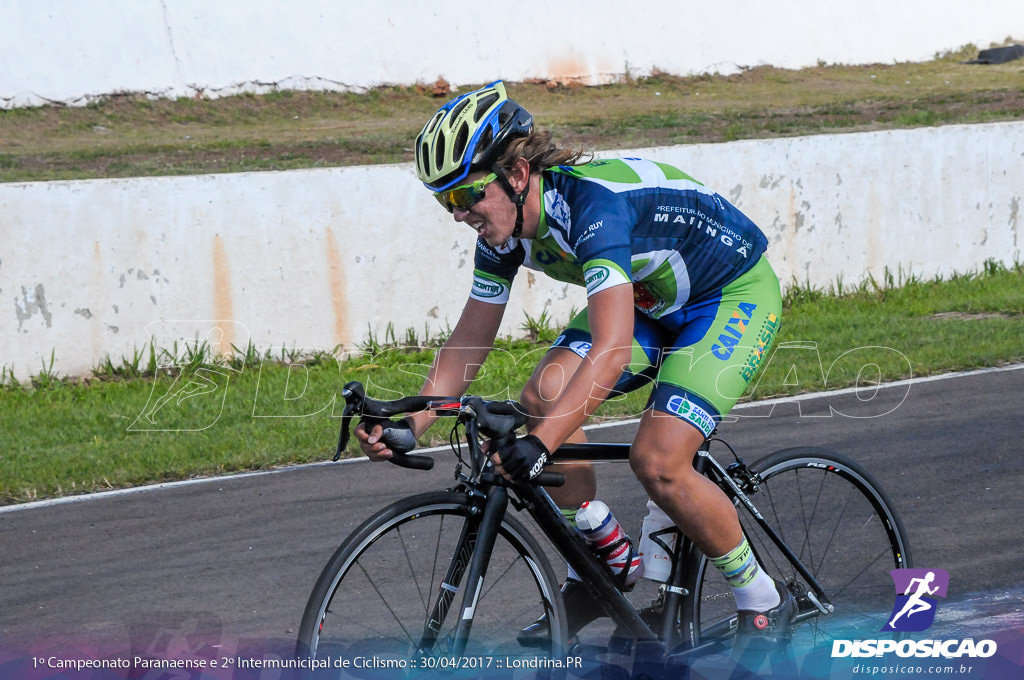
(718, 645)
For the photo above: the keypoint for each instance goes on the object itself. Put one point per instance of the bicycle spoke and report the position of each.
(828, 512)
(775, 521)
(872, 565)
(385, 602)
(819, 565)
(377, 595)
(493, 581)
(806, 553)
(412, 570)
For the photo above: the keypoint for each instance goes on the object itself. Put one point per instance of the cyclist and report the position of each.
(678, 292)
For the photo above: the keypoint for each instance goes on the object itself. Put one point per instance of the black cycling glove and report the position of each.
(525, 458)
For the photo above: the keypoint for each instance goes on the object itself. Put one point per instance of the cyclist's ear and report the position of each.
(519, 174)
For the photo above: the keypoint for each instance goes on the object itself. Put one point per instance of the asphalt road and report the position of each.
(235, 558)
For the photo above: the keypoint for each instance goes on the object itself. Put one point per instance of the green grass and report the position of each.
(166, 414)
(172, 414)
(125, 135)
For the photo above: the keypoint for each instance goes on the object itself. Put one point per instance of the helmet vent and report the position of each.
(484, 105)
(483, 146)
(439, 150)
(460, 141)
(433, 123)
(459, 108)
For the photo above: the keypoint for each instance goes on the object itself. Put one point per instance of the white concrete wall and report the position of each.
(76, 50)
(316, 258)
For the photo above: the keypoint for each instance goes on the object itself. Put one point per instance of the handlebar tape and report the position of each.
(413, 462)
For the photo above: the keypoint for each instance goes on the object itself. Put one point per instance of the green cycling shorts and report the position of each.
(703, 356)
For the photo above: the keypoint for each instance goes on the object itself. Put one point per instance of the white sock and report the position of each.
(753, 588)
(759, 595)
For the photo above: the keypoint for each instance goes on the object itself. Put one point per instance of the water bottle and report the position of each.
(604, 533)
(657, 543)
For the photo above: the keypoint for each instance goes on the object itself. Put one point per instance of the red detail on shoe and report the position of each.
(760, 621)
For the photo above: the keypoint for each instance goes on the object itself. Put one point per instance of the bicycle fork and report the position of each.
(469, 561)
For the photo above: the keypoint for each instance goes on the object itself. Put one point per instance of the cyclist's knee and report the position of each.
(662, 455)
(660, 474)
(532, 401)
(548, 382)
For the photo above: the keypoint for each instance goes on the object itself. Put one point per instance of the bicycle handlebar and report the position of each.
(376, 412)
(497, 420)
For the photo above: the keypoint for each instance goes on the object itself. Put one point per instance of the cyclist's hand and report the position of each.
(524, 459)
(382, 442)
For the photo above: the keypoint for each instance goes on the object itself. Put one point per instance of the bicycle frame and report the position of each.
(473, 549)
(477, 540)
(603, 586)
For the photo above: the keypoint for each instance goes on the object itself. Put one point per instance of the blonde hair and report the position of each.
(541, 152)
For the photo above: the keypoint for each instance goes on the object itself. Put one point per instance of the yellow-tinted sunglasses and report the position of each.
(464, 196)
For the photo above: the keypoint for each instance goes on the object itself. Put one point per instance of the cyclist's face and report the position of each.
(493, 217)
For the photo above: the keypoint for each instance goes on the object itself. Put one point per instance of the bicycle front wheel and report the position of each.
(841, 525)
(392, 594)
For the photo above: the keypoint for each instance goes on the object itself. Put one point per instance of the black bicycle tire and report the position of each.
(408, 510)
(788, 459)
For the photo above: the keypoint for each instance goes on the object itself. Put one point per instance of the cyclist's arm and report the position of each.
(455, 365)
(459, 359)
(610, 312)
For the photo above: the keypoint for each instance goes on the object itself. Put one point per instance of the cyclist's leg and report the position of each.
(721, 342)
(544, 387)
(661, 458)
(551, 376)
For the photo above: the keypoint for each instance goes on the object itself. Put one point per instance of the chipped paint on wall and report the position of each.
(294, 259)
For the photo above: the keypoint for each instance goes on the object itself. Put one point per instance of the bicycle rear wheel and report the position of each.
(391, 595)
(840, 523)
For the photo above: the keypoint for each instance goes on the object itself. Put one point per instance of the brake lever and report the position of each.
(345, 433)
(353, 395)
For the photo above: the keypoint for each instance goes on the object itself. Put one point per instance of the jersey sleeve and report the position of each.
(493, 273)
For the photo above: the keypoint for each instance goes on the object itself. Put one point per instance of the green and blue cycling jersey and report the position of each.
(629, 220)
(693, 259)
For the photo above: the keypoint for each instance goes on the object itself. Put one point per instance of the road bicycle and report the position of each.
(443, 580)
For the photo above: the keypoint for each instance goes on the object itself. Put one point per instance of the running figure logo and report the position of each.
(916, 590)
